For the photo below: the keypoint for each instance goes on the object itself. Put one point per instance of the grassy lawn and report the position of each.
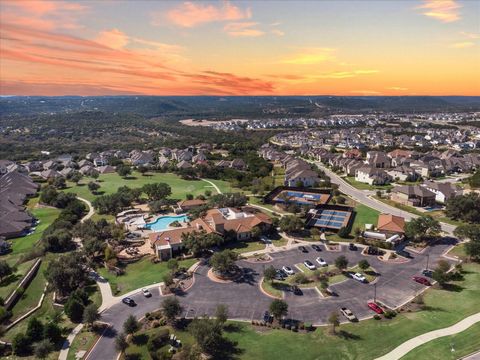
(255, 200)
(139, 341)
(275, 287)
(407, 208)
(362, 186)
(111, 182)
(280, 242)
(364, 215)
(10, 283)
(139, 274)
(369, 273)
(241, 247)
(464, 343)
(83, 341)
(361, 340)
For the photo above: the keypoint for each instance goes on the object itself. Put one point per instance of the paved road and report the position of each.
(411, 344)
(364, 198)
(246, 301)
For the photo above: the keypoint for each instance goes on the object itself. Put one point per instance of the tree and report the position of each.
(172, 264)
(90, 314)
(315, 233)
(440, 274)
(474, 180)
(341, 262)
(256, 232)
(5, 270)
(121, 342)
(93, 186)
(74, 308)
(123, 170)
(189, 196)
(464, 207)
(290, 224)
(334, 321)
(131, 325)
(278, 308)
(168, 280)
(422, 227)
(221, 313)
(207, 333)
(42, 349)
(66, 273)
(142, 170)
(197, 242)
(76, 177)
(363, 264)
(21, 344)
(171, 308)
(470, 232)
(269, 273)
(224, 261)
(157, 191)
(343, 232)
(34, 329)
(52, 332)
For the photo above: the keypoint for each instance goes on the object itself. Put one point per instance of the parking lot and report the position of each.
(245, 300)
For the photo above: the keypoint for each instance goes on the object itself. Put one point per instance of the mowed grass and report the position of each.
(364, 215)
(139, 274)
(361, 340)
(362, 186)
(9, 283)
(241, 247)
(109, 183)
(463, 343)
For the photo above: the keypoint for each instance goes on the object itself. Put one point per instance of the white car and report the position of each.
(359, 277)
(265, 240)
(288, 270)
(146, 292)
(309, 265)
(321, 262)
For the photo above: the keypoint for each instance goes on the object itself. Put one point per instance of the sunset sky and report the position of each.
(108, 47)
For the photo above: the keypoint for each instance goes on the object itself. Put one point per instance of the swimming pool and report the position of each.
(163, 221)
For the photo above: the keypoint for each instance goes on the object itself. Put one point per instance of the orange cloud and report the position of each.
(114, 38)
(310, 56)
(366, 92)
(191, 14)
(243, 29)
(397, 88)
(442, 10)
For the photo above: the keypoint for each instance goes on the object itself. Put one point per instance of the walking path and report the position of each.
(214, 185)
(411, 344)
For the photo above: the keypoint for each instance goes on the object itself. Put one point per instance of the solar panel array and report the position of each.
(331, 218)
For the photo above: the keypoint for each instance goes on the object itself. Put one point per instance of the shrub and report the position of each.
(377, 317)
(158, 340)
(21, 344)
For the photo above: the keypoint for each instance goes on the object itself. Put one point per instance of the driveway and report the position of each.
(246, 301)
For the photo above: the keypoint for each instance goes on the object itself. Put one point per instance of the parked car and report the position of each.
(372, 250)
(267, 317)
(265, 239)
(348, 314)
(309, 265)
(359, 277)
(316, 248)
(404, 253)
(296, 290)
(331, 292)
(280, 275)
(303, 249)
(288, 270)
(320, 261)
(146, 292)
(427, 273)
(128, 301)
(352, 247)
(422, 280)
(375, 307)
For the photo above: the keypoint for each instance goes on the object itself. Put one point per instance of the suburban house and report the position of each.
(15, 189)
(378, 159)
(372, 176)
(443, 191)
(413, 195)
(100, 161)
(307, 177)
(236, 222)
(403, 173)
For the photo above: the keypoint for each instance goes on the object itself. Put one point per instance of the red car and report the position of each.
(375, 307)
(421, 280)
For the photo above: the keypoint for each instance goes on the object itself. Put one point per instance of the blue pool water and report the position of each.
(163, 221)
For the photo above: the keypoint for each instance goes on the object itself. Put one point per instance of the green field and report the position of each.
(9, 283)
(241, 247)
(111, 182)
(139, 274)
(361, 340)
(463, 343)
(364, 215)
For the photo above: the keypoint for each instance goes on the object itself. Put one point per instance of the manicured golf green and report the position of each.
(109, 183)
(141, 273)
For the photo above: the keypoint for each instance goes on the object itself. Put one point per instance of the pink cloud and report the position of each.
(190, 14)
(442, 10)
(243, 29)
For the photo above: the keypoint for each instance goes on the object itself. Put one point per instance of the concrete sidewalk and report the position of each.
(411, 344)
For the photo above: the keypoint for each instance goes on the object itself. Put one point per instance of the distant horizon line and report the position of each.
(231, 96)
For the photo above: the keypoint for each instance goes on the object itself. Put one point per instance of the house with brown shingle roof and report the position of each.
(388, 223)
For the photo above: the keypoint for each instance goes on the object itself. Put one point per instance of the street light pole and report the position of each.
(428, 257)
(375, 293)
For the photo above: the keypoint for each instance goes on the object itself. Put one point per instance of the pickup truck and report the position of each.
(348, 314)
